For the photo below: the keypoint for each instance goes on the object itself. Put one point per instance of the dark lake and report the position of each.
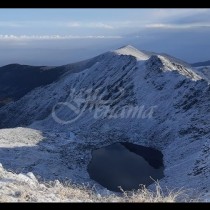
(127, 165)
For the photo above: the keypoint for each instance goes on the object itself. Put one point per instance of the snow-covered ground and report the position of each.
(178, 126)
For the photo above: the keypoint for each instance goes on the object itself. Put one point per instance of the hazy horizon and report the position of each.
(61, 36)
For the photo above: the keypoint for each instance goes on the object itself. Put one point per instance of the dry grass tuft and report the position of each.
(21, 188)
(84, 193)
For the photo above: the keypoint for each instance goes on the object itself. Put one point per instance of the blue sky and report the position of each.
(60, 36)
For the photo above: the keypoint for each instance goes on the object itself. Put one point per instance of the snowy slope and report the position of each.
(179, 125)
(130, 50)
(17, 80)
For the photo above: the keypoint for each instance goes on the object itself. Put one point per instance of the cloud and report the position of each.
(71, 24)
(10, 24)
(52, 37)
(148, 18)
(99, 25)
(172, 14)
(88, 25)
(178, 26)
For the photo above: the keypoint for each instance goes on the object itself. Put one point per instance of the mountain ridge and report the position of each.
(171, 99)
(203, 63)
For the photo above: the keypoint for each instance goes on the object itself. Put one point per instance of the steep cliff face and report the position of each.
(123, 95)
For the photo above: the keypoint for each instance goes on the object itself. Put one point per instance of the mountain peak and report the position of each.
(130, 50)
(127, 47)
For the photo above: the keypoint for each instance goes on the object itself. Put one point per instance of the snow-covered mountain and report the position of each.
(122, 95)
(17, 80)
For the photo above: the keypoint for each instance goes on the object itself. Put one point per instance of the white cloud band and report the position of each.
(53, 37)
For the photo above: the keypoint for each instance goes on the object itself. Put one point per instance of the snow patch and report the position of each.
(130, 50)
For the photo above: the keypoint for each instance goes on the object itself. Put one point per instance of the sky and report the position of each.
(61, 36)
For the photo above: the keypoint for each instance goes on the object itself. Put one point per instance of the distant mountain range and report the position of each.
(204, 63)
